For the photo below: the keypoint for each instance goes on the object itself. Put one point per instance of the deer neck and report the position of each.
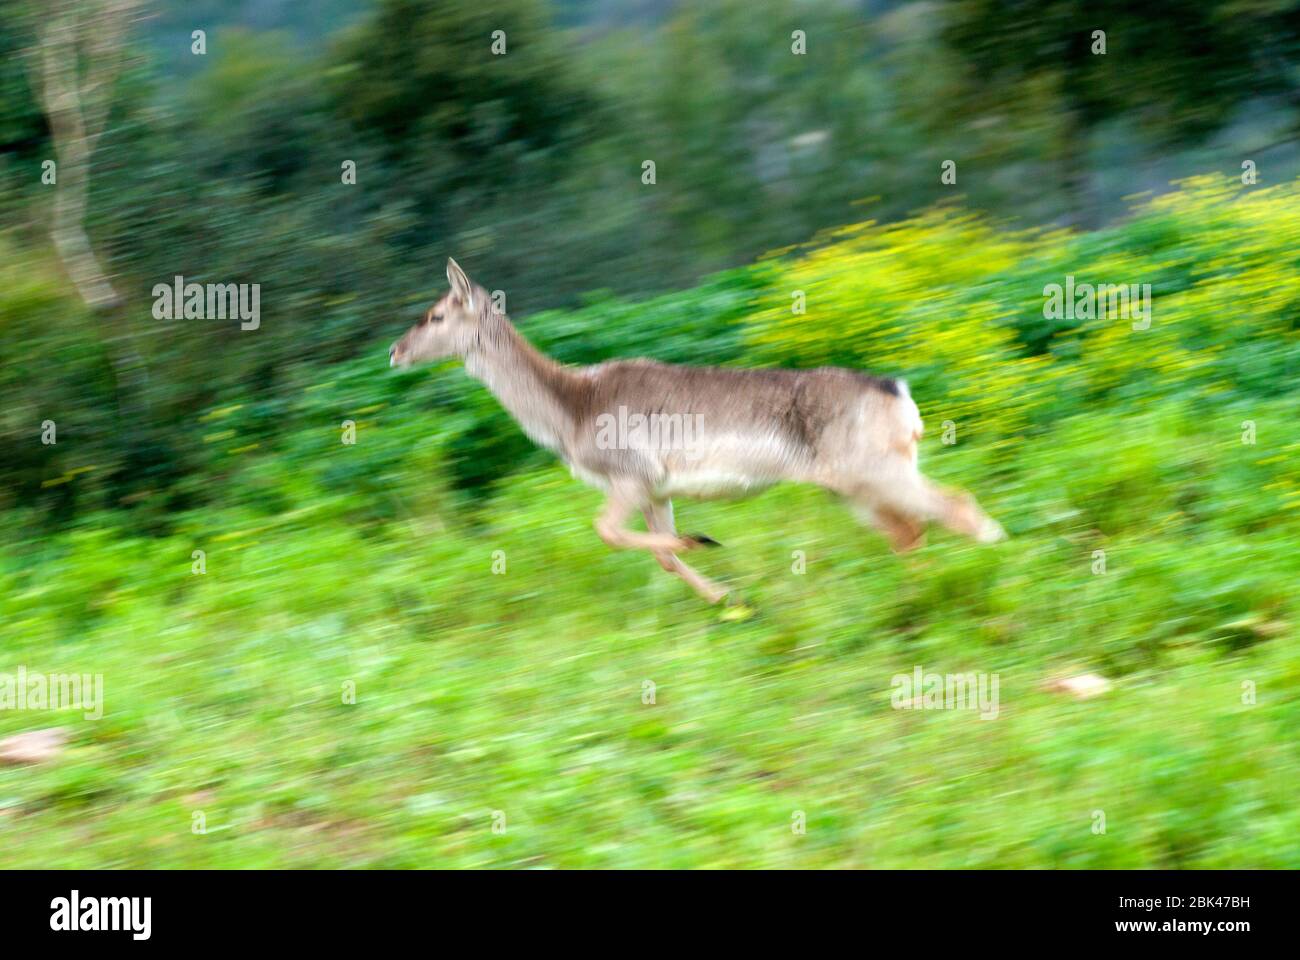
(529, 384)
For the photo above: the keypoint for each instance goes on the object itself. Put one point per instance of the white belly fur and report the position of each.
(710, 484)
(591, 479)
(700, 485)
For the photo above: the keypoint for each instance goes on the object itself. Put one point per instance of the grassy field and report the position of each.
(413, 650)
(500, 718)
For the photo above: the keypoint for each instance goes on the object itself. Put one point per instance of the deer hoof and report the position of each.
(700, 540)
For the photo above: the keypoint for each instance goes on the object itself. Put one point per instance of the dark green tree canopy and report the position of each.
(1183, 66)
(422, 79)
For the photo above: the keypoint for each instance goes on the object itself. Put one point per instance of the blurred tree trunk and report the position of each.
(77, 104)
(74, 68)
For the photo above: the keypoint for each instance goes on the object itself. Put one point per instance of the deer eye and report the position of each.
(433, 317)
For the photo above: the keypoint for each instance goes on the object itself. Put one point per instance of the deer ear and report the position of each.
(460, 285)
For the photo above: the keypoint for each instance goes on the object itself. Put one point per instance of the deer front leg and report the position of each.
(664, 557)
(612, 528)
(659, 518)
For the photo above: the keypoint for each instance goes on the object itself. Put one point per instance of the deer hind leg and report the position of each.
(903, 533)
(659, 518)
(957, 510)
(965, 516)
(901, 502)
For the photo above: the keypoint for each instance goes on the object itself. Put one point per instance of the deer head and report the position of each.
(449, 327)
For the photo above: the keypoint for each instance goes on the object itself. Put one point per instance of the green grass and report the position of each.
(523, 692)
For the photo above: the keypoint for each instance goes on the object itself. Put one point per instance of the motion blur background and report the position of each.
(523, 696)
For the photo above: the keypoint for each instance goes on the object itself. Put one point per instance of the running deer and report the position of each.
(644, 432)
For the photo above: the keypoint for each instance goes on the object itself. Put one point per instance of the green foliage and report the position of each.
(371, 563)
(424, 79)
(522, 692)
(527, 167)
(1185, 80)
(1097, 62)
(959, 306)
(333, 566)
(22, 123)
